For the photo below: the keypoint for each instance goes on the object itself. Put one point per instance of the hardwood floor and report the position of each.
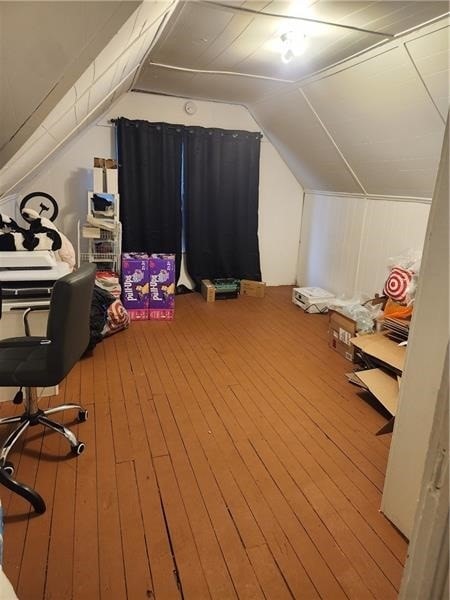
(227, 457)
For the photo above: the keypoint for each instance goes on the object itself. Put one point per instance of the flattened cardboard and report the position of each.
(382, 386)
(353, 378)
(382, 348)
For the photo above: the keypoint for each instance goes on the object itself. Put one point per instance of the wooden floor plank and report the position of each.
(324, 579)
(239, 566)
(210, 553)
(137, 569)
(35, 549)
(227, 457)
(159, 552)
(86, 583)
(190, 570)
(111, 562)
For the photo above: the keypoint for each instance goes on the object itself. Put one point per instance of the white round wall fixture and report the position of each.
(190, 107)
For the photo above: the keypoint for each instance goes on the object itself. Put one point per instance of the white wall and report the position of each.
(67, 176)
(346, 240)
(425, 359)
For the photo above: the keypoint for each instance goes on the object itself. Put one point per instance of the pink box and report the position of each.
(161, 314)
(161, 286)
(135, 283)
(138, 314)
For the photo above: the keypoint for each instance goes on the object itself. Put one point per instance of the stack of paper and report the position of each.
(397, 329)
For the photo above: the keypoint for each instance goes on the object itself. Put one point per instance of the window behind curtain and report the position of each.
(221, 203)
(191, 188)
(149, 156)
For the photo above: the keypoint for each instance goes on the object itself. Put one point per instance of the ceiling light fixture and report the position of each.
(292, 44)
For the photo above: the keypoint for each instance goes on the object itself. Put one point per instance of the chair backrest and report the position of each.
(68, 325)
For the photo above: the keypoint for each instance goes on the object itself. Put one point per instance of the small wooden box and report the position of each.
(253, 288)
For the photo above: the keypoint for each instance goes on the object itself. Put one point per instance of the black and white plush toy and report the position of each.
(43, 226)
(37, 237)
(42, 229)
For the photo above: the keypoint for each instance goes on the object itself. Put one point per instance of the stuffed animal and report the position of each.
(13, 237)
(41, 235)
(43, 226)
(7, 224)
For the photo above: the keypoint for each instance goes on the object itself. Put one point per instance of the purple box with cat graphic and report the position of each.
(162, 286)
(135, 284)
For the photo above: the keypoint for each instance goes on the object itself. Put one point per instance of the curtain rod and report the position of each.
(259, 133)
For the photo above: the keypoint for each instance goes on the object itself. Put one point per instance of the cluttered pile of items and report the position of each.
(372, 333)
(381, 356)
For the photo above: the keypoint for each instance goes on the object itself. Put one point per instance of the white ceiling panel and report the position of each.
(379, 114)
(297, 134)
(208, 37)
(85, 81)
(82, 108)
(431, 55)
(64, 126)
(223, 88)
(44, 47)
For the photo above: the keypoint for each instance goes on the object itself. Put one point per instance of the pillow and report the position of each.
(400, 285)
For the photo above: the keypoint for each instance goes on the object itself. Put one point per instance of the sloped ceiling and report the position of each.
(44, 48)
(109, 75)
(362, 110)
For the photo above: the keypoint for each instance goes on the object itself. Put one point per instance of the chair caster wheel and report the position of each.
(83, 416)
(8, 468)
(79, 448)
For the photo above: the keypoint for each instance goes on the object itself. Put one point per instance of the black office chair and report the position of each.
(32, 362)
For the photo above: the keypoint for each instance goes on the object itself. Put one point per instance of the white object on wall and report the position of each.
(68, 175)
(346, 240)
(190, 107)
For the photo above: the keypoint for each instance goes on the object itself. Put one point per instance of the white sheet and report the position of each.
(6, 589)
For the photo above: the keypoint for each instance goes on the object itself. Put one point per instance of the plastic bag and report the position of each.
(409, 259)
(364, 316)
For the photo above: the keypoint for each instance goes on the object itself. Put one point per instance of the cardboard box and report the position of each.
(384, 350)
(138, 314)
(105, 176)
(208, 290)
(98, 185)
(148, 286)
(161, 314)
(112, 181)
(253, 288)
(161, 279)
(383, 386)
(135, 285)
(340, 332)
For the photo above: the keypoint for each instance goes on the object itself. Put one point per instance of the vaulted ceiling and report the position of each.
(44, 48)
(361, 110)
(225, 38)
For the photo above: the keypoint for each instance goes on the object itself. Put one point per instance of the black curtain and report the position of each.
(221, 203)
(149, 157)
